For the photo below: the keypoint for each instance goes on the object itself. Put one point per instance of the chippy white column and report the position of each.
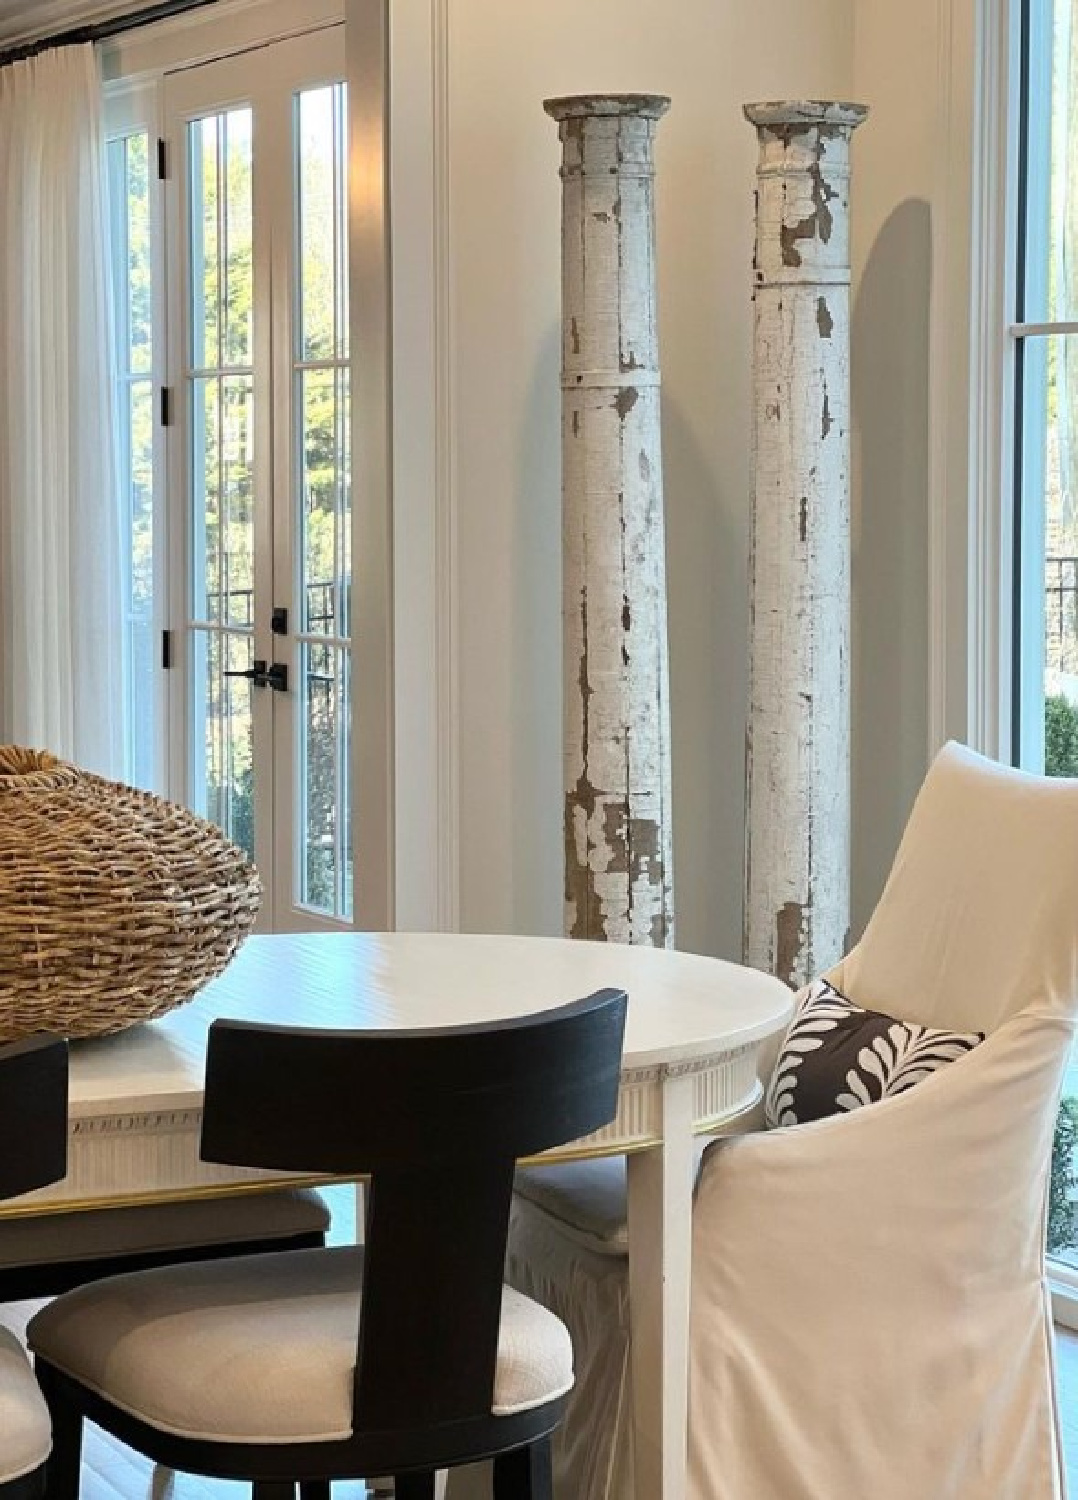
(797, 752)
(618, 882)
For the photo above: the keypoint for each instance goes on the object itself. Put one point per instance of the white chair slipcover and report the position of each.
(870, 1314)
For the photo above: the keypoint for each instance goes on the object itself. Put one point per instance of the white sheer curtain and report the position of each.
(60, 609)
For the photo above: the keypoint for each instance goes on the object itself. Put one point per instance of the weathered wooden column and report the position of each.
(797, 841)
(617, 714)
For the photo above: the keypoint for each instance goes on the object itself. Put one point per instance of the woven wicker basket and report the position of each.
(115, 906)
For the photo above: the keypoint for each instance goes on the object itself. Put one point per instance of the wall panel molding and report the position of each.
(445, 520)
(371, 341)
(424, 469)
(970, 524)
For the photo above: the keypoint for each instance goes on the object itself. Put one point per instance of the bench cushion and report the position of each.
(587, 1198)
(96, 1234)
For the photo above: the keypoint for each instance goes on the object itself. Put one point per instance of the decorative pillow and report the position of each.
(838, 1056)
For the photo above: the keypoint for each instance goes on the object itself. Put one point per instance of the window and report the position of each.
(1043, 355)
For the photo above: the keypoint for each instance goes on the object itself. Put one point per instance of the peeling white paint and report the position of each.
(797, 836)
(618, 882)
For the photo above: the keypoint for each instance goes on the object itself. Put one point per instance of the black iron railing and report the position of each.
(237, 610)
(1061, 614)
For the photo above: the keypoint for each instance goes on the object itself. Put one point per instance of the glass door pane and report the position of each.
(320, 380)
(220, 401)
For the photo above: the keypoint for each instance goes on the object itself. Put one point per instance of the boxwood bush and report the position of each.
(1061, 759)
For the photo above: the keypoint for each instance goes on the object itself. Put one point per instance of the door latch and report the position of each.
(275, 676)
(256, 674)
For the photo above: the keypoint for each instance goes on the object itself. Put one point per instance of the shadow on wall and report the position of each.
(707, 623)
(890, 374)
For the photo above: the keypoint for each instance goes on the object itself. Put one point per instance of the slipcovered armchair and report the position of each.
(870, 1314)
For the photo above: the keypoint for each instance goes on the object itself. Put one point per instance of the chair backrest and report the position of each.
(979, 916)
(438, 1119)
(33, 1114)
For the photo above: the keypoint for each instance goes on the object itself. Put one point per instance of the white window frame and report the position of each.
(970, 520)
(977, 692)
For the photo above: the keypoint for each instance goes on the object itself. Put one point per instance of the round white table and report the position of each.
(689, 1066)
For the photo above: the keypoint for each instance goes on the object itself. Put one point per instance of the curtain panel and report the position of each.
(60, 576)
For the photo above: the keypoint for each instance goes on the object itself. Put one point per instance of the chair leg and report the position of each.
(273, 1489)
(525, 1473)
(416, 1486)
(162, 1483)
(65, 1461)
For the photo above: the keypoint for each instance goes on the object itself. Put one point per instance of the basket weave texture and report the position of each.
(115, 905)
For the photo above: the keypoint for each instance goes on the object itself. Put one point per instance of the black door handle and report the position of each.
(256, 674)
(275, 676)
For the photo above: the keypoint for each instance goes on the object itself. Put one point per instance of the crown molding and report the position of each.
(29, 20)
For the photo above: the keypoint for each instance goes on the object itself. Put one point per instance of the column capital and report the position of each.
(805, 113)
(599, 106)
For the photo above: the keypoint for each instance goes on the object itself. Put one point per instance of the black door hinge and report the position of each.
(166, 406)
(162, 158)
(166, 650)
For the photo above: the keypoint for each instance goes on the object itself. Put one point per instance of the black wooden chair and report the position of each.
(33, 1153)
(403, 1357)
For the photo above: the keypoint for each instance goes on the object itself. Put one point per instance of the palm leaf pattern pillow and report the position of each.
(838, 1056)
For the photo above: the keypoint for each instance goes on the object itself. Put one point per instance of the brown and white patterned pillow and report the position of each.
(838, 1056)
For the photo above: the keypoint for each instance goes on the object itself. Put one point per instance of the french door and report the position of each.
(256, 210)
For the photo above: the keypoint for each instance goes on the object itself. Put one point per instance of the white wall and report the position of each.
(895, 153)
(915, 672)
(503, 244)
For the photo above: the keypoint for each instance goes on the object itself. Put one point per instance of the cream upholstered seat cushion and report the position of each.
(259, 1349)
(25, 1429)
